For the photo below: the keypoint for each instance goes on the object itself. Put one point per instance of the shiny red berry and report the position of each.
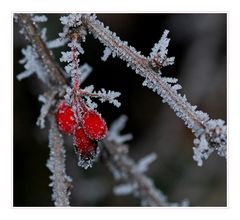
(65, 118)
(84, 145)
(94, 125)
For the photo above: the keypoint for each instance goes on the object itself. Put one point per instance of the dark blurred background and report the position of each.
(198, 42)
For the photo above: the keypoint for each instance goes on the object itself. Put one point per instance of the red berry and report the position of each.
(94, 126)
(84, 145)
(65, 118)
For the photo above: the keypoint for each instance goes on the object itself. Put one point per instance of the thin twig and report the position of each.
(125, 169)
(61, 183)
(48, 100)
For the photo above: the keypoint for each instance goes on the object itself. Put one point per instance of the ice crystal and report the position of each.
(170, 79)
(106, 53)
(87, 162)
(72, 20)
(213, 138)
(103, 95)
(85, 71)
(161, 47)
(71, 67)
(89, 89)
(67, 56)
(91, 104)
(116, 127)
(124, 189)
(202, 151)
(68, 95)
(39, 18)
(32, 65)
(143, 164)
(176, 87)
(43, 34)
(109, 96)
(47, 103)
(77, 45)
(159, 51)
(58, 42)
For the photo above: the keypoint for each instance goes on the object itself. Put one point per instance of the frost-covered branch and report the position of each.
(150, 69)
(48, 100)
(131, 175)
(32, 64)
(31, 32)
(116, 127)
(60, 182)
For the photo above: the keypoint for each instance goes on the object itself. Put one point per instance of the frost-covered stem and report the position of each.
(76, 78)
(32, 33)
(128, 170)
(79, 105)
(61, 183)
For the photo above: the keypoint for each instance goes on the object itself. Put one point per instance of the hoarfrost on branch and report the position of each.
(48, 101)
(103, 95)
(60, 181)
(32, 65)
(129, 173)
(150, 69)
(116, 127)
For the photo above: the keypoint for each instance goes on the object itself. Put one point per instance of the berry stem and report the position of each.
(75, 63)
(77, 100)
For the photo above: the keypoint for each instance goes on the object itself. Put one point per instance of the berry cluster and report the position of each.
(86, 130)
(76, 115)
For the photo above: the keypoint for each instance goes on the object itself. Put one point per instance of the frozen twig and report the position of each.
(127, 172)
(150, 69)
(61, 183)
(135, 182)
(32, 65)
(48, 100)
(31, 32)
(115, 129)
(102, 95)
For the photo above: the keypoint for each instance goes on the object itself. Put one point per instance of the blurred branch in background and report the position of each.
(130, 174)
